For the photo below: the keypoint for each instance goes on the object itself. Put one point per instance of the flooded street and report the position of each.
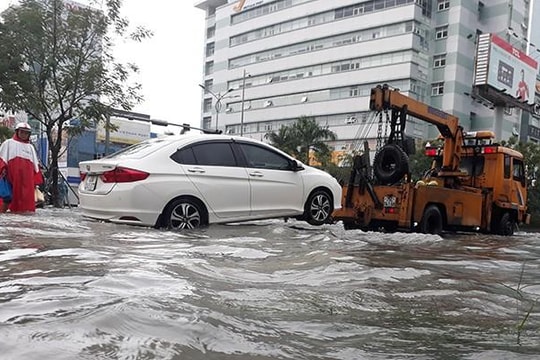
(71, 288)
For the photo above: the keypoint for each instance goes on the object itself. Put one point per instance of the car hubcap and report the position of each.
(185, 216)
(320, 208)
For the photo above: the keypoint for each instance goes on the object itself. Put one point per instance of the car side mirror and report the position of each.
(296, 166)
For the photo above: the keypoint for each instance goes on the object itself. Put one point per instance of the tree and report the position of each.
(419, 162)
(311, 136)
(284, 140)
(5, 133)
(531, 159)
(303, 136)
(56, 64)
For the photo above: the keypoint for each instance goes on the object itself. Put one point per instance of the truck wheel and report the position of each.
(390, 164)
(432, 221)
(506, 225)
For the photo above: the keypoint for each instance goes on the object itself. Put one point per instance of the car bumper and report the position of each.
(123, 205)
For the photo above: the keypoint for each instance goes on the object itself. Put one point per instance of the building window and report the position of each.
(320, 44)
(210, 49)
(206, 122)
(209, 67)
(208, 84)
(207, 105)
(443, 5)
(441, 32)
(437, 88)
(211, 32)
(439, 61)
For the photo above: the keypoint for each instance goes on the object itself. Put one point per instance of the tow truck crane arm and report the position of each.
(383, 98)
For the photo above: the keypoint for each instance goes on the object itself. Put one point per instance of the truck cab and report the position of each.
(495, 170)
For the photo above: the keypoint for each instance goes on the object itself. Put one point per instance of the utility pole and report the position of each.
(242, 110)
(218, 97)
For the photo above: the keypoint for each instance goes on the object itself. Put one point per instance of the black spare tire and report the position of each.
(390, 164)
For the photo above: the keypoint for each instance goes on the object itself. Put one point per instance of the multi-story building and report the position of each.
(290, 58)
(530, 130)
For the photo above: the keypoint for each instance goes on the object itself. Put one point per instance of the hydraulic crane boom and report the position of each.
(383, 98)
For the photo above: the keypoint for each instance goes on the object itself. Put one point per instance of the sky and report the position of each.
(171, 62)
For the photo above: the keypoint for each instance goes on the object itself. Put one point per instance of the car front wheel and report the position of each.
(184, 214)
(318, 208)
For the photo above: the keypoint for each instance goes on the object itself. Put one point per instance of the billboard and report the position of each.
(505, 68)
(128, 132)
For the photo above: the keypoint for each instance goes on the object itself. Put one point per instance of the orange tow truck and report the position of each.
(473, 184)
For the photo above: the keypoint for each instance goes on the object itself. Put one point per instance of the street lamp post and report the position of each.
(244, 74)
(218, 97)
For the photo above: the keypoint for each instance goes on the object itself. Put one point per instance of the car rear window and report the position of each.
(140, 150)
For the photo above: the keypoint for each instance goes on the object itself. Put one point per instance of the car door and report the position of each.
(213, 169)
(275, 188)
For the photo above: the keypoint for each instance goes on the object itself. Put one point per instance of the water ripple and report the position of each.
(71, 288)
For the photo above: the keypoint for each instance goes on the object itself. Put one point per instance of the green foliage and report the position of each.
(341, 173)
(301, 137)
(5, 133)
(284, 140)
(531, 158)
(419, 162)
(56, 64)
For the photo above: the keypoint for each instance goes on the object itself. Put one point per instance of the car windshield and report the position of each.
(139, 150)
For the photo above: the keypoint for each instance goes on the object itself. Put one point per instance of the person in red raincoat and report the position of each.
(19, 161)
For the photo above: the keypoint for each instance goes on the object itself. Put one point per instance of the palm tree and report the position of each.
(311, 136)
(284, 139)
(300, 138)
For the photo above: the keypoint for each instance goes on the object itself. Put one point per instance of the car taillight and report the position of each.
(82, 176)
(122, 175)
(489, 150)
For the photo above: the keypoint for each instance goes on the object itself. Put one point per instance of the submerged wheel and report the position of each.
(184, 213)
(506, 225)
(390, 164)
(432, 221)
(350, 225)
(318, 208)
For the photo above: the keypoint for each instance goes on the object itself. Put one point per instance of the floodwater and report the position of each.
(72, 288)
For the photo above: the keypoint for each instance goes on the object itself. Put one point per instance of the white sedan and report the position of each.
(192, 180)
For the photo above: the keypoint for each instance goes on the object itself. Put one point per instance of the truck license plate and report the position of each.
(90, 184)
(389, 201)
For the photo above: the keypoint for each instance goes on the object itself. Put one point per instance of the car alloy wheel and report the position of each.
(184, 214)
(319, 208)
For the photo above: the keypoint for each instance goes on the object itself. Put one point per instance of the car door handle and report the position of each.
(196, 170)
(256, 174)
